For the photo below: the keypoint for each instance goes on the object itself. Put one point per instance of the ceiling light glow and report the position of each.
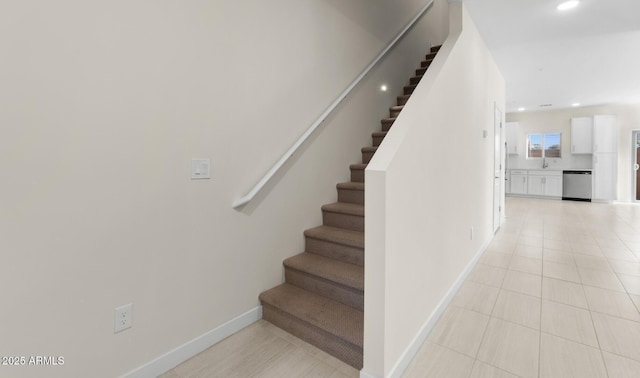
(521, 109)
(575, 104)
(568, 5)
(383, 88)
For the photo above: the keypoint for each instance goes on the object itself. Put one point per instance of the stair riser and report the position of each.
(351, 196)
(425, 63)
(421, 71)
(348, 221)
(430, 56)
(339, 293)
(351, 255)
(402, 100)
(386, 125)
(376, 140)
(366, 156)
(409, 89)
(357, 175)
(415, 80)
(345, 351)
(393, 113)
(435, 49)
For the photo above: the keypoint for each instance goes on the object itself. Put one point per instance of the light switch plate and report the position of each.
(200, 168)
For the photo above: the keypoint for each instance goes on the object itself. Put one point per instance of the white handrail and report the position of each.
(249, 196)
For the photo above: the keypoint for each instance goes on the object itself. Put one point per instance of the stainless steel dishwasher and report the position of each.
(576, 185)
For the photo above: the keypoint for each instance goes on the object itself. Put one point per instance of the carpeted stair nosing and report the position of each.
(336, 235)
(340, 320)
(348, 275)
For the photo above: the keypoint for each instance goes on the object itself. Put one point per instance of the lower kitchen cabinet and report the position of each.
(518, 182)
(545, 183)
(604, 176)
(536, 183)
(553, 185)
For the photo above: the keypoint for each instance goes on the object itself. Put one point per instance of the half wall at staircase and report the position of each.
(428, 185)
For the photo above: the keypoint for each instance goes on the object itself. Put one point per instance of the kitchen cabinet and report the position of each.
(605, 133)
(518, 182)
(535, 185)
(605, 157)
(512, 134)
(545, 183)
(553, 185)
(582, 135)
(604, 176)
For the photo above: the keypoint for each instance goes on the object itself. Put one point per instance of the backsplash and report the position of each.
(567, 162)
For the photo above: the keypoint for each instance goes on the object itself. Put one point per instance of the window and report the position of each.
(544, 145)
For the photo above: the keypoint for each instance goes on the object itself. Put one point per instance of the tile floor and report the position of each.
(262, 350)
(556, 294)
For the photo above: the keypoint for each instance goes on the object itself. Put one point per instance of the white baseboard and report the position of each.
(364, 374)
(410, 352)
(189, 349)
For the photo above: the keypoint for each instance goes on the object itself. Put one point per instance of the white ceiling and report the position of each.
(588, 55)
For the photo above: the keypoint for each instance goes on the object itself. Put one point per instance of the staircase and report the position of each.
(322, 299)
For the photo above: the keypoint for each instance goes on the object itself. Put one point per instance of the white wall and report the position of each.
(560, 120)
(428, 184)
(102, 106)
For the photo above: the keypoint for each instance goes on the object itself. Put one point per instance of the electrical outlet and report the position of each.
(123, 318)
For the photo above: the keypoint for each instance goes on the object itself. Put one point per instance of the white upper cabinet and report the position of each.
(605, 133)
(512, 135)
(582, 135)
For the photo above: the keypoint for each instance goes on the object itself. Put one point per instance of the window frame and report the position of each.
(543, 146)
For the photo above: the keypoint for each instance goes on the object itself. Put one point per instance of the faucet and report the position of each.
(544, 163)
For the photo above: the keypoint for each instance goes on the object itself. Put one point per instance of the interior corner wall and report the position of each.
(102, 107)
(560, 121)
(428, 184)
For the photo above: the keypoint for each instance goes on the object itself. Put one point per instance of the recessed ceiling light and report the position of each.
(521, 109)
(568, 5)
(383, 88)
(575, 104)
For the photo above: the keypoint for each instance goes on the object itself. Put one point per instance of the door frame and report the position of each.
(635, 134)
(498, 153)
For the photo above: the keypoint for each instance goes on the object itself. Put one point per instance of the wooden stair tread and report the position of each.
(345, 208)
(343, 273)
(340, 320)
(358, 166)
(336, 235)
